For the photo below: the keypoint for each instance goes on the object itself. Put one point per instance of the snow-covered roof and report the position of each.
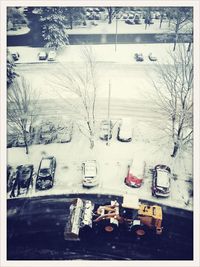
(130, 202)
(45, 163)
(163, 178)
(90, 168)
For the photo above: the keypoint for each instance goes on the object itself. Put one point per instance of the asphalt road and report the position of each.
(36, 226)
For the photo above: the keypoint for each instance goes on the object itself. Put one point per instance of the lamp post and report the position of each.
(116, 33)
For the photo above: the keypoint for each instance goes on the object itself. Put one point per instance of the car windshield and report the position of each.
(44, 171)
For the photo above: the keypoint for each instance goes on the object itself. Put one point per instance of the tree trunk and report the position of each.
(175, 41)
(109, 18)
(189, 46)
(161, 20)
(175, 149)
(91, 143)
(25, 142)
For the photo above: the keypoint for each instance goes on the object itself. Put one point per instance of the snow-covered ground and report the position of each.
(148, 145)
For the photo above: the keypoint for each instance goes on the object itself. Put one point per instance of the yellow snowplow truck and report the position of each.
(131, 215)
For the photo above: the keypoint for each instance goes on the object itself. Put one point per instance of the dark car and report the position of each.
(23, 181)
(161, 181)
(10, 178)
(139, 57)
(46, 173)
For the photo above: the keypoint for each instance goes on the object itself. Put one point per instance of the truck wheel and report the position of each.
(106, 228)
(139, 230)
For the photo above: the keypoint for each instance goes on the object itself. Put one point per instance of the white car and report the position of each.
(125, 131)
(42, 55)
(105, 130)
(89, 172)
(52, 55)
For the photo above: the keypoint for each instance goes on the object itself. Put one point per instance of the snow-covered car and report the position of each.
(42, 55)
(131, 16)
(64, 134)
(139, 57)
(157, 15)
(52, 55)
(19, 141)
(161, 181)
(130, 21)
(23, 180)
(151, 21)
(137, 21)
(136, 174)
(89, 172)
(47, 132)
(152, 57)
(15, 55)
(105, 130)
(125, 131)
(125, 16)
(46, 173)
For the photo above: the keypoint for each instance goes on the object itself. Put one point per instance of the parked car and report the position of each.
(19, 142)
(42, 55)
(131, 16)
(10, 178)
(15, 56)
(130, 21)
(23, 180)
(105, 130)
(47, 132)
(125, 131)
(136, 174)
(52, 55)
(151, 21)
(125, 16)
(89, 172)
(152, 57)
(46, 173)
(137, 21)
(64, 134)
(157, 15)
(139, 57)
(161, 181)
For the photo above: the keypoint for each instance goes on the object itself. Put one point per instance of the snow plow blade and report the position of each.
(81, 212)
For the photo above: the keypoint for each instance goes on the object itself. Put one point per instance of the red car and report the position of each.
(135, 175)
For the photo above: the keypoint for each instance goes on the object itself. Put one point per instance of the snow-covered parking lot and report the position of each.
(148, 145)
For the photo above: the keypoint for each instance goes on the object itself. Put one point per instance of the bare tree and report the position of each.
(21, 112)
(174, 89)
(80, 86)
(180, 17)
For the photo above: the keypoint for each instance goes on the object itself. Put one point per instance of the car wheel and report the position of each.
(140, 231)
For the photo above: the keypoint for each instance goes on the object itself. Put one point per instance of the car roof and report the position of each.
(162, 178)
(90, 168)
(45, 163)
